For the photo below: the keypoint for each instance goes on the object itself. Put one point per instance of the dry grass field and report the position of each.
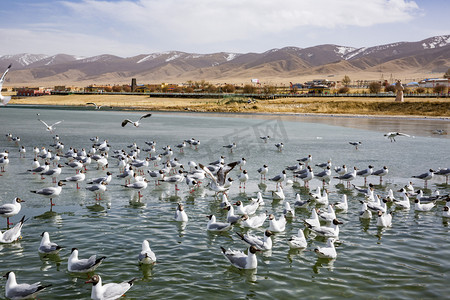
(422, 107)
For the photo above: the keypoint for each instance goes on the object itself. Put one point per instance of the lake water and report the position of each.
(409, 260)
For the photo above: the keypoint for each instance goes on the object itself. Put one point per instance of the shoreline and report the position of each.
(239, 113)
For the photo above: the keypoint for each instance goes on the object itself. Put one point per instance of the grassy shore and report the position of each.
(422, 107)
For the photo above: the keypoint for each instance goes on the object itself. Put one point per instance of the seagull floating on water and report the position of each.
(85, 265)
(14, 290)
(146, 256)
(46, 246)
(109, 290)
(241, 260)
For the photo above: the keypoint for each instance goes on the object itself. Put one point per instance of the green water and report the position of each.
(407, 261)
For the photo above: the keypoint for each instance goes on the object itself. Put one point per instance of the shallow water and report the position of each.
(409, 260)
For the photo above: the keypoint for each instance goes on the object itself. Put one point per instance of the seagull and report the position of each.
(325, 175)
(364, 212)
(365, 173)
(356, 144)
(216, 226)
(423, 207)
(279, 146)
(288, 212)
(109, 290)
(265, 138)
(4, 99)
(96, 106)
(85, 265)
(240, 260)
(381, 172)
(299, 202)
(11, 235)
(277, 225)
(384, 219)
(342, 205)
(391, 135)
(8, 210)
(146, 256)
(138, 185)
(332, 231)
(305, 160)
(47, 247)
(180, 214)
(425, 176)
(77, 178)
(50, 192)
(327, 252)
(278, 194)
(313, 221)
(14, 290)
(263, 171)
(50, 128)
(279, 178)
(97, 189)
(136, 124)
(253, 222)
(405, 203)
(341, 170)
(107, 179)
(230, 146)
(443, 172)
(348, 176)
(231, 217)
(328, 216)
(249, 209)
(297, 241)
(263, 245)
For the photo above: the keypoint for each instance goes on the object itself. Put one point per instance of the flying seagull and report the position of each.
(391, 135)
(50, 128)
(96, 106)
(4, 99)
(136, 124)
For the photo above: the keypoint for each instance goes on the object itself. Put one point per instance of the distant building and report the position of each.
(432, 82)
(319, 90)
(29, 92)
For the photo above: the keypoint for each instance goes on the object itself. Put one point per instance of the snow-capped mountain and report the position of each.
(432, 53)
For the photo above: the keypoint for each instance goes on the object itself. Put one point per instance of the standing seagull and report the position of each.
(4, 99)
(14, 290)
(425, 176)
(110, 290)
(136, 124)
(10, 209)
(50, 192)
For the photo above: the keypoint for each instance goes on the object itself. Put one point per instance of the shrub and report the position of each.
(389, 88)
(440, 89)
(374, 87)
(249, 89)
(343, 90)
(228, 88)
(420, 90)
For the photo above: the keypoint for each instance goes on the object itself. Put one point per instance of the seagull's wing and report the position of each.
(403, 134)
(144, 116)
(208, 172)
(5, 99)
(46, 125)
(125, 122)
(4, 74)
(6, 208)
(92, 103)
(56, 123)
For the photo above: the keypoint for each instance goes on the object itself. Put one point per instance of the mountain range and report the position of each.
(403, 59)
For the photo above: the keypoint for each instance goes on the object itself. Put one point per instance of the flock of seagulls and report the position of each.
(139, 169)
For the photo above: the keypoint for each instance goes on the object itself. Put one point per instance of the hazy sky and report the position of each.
(128, 28)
